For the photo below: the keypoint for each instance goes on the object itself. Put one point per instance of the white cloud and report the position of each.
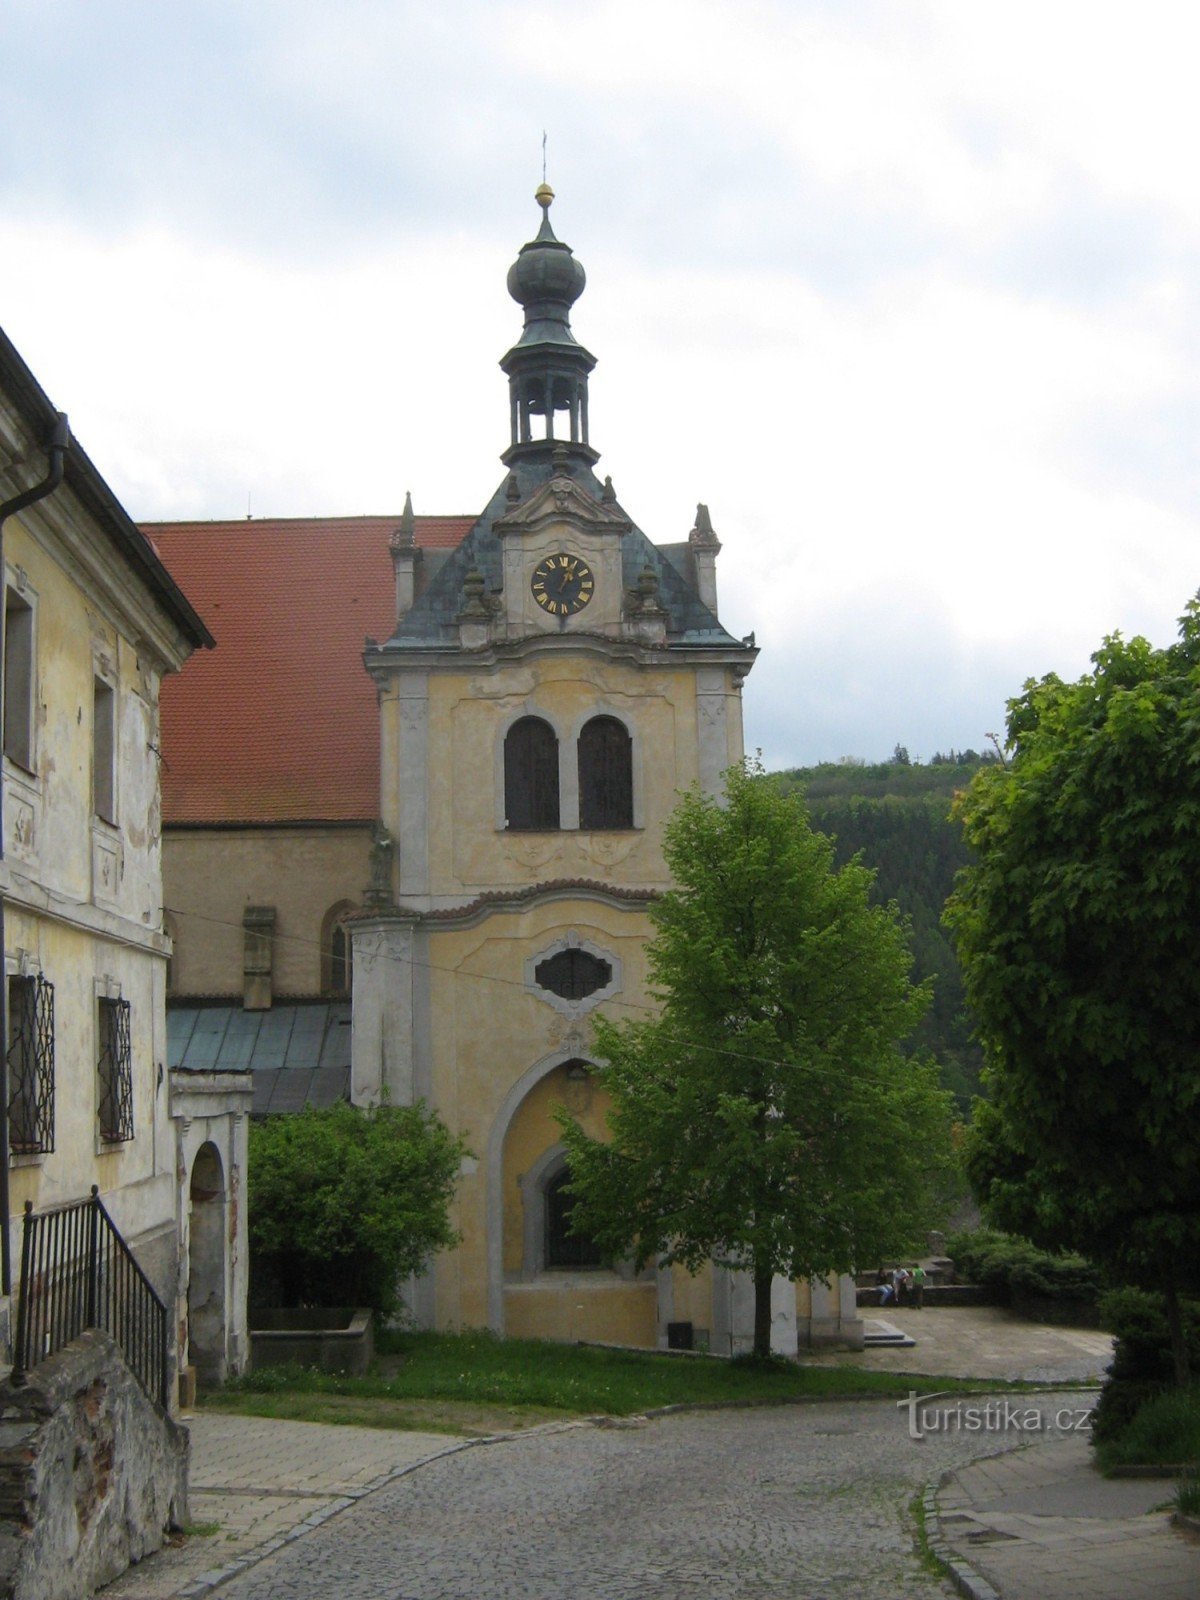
(906, 294)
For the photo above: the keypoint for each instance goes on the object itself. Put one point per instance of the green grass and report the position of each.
(477, 1383)
(933, 1564)
(1164, 1431)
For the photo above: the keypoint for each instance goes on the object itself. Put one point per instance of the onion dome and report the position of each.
(547, 280)
(547, 368)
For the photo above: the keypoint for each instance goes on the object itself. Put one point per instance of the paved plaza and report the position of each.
(799, 1501)
(774, 1501)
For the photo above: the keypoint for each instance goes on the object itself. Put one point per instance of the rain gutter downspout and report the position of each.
(57, 445)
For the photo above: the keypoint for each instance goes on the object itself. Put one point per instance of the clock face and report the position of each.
(562, 584)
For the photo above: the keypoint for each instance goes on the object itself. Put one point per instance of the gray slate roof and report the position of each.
(433, 619)
(299, 1054)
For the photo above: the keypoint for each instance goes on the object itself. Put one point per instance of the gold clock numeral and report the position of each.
(562, 583)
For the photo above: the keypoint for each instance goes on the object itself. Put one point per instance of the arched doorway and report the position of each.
(206, 1267)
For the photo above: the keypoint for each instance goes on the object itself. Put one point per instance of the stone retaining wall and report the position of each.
(936, 1294)
(92, 1475)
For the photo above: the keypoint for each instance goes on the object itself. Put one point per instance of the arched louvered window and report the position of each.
(605, 775)
(336, 949)
(531, 775)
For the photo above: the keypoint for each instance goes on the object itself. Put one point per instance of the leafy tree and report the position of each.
(1077, 931)
(345, 1202)
(765, 1118)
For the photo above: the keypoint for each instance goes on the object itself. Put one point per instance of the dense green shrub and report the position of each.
(1165, 1428)
(1142, 1366)
(1012, 1268)
(345, 1202)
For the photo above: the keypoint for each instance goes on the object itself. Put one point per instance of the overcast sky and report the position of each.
(906, 292)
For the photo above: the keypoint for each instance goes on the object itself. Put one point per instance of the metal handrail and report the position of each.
(77, 1272)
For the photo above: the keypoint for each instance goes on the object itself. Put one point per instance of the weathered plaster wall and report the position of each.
(91, 1475)
(583, 1306)
(531, 1132)
(52, 836)
(487, 1031)
(83, 967)
(211, 1114)
(210, 876)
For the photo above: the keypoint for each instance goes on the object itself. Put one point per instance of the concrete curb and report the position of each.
(962, 1575)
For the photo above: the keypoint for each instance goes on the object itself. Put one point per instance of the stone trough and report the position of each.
(334, 1339)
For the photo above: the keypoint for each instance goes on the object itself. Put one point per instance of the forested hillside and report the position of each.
(897, 813)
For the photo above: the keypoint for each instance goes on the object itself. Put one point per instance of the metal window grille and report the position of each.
(573, 974)
(30, 1065)
(77, 1272)
(115, 1070)
(531, 775)
(605, 775)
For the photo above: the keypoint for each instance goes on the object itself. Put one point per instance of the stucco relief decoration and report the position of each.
(105, 869)
(608, 851)
(530, 852)
(557, 1031)
(383, 848)
(577, 1091)
(22, 827)
(712, 710)
(414, 716)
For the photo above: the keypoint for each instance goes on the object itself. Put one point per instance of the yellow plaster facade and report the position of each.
(449, 1001)
(544, 700)
(82, 892)
(549, 687)
(92, 624)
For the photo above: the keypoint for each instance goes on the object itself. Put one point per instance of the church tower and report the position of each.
(549, 688)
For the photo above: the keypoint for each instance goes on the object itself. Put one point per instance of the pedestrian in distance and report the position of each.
(918, 1287)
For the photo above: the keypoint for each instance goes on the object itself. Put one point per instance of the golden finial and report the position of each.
(544, 194)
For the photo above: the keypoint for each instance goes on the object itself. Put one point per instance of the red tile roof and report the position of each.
(279, 723)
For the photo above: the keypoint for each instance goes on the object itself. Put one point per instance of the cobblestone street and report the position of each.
(800, 1501)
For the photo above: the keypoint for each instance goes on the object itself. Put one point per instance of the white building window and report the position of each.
(18, 679)
(104, 750)
(114, 1070)
(30, 1065)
